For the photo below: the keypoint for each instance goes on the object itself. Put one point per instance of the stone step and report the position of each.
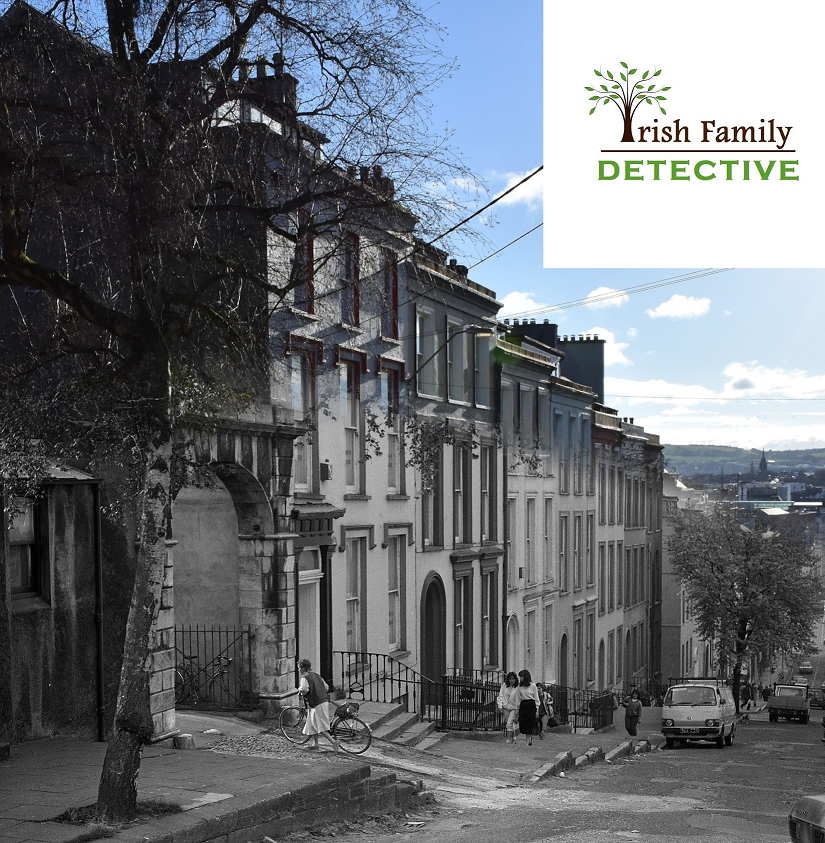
(396, 726)
(431, 741)
(376, 714)
(416, 733)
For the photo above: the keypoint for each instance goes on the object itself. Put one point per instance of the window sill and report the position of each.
(399, 654)
(390, 340)
(357, 496)
(308, 496)
(394, 496)
(296, 311)
(25, 605)
(350, 329)
(432, 548)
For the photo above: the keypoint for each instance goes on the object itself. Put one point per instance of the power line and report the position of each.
(488, 205)
(506, 247)
(702, 398)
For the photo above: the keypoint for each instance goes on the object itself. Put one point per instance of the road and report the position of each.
(696, 794)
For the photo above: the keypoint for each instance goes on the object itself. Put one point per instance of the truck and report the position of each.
(789, 701)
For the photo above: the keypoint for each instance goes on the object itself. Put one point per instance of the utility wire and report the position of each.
(506, 247)
(488, 205)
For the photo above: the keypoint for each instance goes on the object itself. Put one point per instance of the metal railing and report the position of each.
(470, 703)
(376, 677)
(582, 709)
(213, 668)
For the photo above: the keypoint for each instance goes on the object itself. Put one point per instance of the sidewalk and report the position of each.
(238, 798)
(226, 797)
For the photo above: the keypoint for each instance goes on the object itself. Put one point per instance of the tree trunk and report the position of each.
(117, 794)
(627, 137)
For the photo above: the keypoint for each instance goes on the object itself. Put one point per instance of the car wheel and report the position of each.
(720, 742)
(683, 741)
(729, 738)
(669, 743)
(803, 718)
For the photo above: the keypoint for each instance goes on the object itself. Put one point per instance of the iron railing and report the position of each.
(213, 668)
(376, 677)
(582, 709)
(470, 703)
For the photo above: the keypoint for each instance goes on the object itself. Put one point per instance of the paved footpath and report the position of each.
(253, 784)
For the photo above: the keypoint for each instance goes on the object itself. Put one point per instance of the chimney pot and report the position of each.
(278, 63)
(365, 173)
(351, 172)
(260, 68)
(546, 321)
(532, 321)
(453, 263)
(378, 171)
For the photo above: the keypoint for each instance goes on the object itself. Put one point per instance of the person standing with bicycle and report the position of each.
(313, 691)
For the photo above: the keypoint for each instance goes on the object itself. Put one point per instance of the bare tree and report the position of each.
(152, 155)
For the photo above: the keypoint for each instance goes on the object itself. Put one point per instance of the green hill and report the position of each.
(714, 459)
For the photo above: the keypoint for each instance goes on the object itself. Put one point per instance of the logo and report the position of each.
(707, 150)
(628, 97)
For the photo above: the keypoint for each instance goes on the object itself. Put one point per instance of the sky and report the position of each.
(729, 357)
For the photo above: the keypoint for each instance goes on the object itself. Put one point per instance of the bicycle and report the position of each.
(353, 734)
(221, 687)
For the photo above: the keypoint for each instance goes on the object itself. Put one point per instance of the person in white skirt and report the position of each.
(313, 691)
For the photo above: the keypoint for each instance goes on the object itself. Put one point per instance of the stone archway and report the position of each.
(513, 645)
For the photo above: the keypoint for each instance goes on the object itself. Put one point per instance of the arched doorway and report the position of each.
(601, 684)
(433, 634)
(513, 645)
(563, 661)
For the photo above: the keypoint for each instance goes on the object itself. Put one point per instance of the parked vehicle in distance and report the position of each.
(801, 680)
(789, 701)
(700, 709)
(817, 698)
(806, 667)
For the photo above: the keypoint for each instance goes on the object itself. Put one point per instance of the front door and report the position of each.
(433, 638)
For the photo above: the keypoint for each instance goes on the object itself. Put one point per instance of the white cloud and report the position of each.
(605, 297)
(632, 333)
(680, 307)
(531, 193)
(520, 304)
(613, 350)
(658, 391)
(751, 379)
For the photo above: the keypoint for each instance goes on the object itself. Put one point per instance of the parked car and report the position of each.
(800, 680)
(806, 667)
(807, 819)
(817, 698)
(699, 710)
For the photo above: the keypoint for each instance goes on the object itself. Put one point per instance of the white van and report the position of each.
(699, 710)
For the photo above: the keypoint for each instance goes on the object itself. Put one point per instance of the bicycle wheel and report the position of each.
(292, 721)
(352, 734)
(180, 686)
(221, 692)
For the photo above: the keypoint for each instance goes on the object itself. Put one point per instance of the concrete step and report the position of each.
(376, 714)
(395, 726)
(432, 741)
(415, 734)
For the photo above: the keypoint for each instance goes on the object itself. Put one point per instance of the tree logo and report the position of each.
(627, 97)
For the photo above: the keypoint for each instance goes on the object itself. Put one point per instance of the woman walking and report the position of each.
(508, 704)
(632, 712)
(528, 705)
(313, 691)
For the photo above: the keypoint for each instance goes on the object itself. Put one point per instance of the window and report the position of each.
(619, 575)
(619, 495)
(426, 368)
(544, 431)
(619, 653)
(611, 657)
(28, 559)
(508, 429)
(628, 577)
(628, 502)
(611, 496)
(389, 314)
(459, 357)
(301, 368)
(574, 438)
(462, 500)
(548, 637)
(564, 573)
(527, 422)
(577, 551)
(611, 577)
(396, 573)
(530, 641)
(390, 386)
(590, 647)
(602, 492)
(351, 415)
(350, 294)
(304, 265)
(578, 651)
(602, 578)
(356, 604)
(530, 541)
(549, 573)
(590, 537)
(561, 449)
(431, 504)
(512, 548)
(488, 492)
(489, 615)
(463, 624)
(484, 397)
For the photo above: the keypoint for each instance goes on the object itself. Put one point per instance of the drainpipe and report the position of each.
(98, 554)
(506, 564)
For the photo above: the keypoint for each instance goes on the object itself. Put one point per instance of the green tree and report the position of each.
(751, 589)
(145, 176)
(627, 94)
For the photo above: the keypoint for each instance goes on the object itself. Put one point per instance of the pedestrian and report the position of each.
(766, 693)
(507, 702)
(632, 712)
(528, 705)
(546, 711)
(313, 691)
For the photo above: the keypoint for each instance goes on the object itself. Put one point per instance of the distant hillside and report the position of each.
(714, 459)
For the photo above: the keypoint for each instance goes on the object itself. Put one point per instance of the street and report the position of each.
(697, 793)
